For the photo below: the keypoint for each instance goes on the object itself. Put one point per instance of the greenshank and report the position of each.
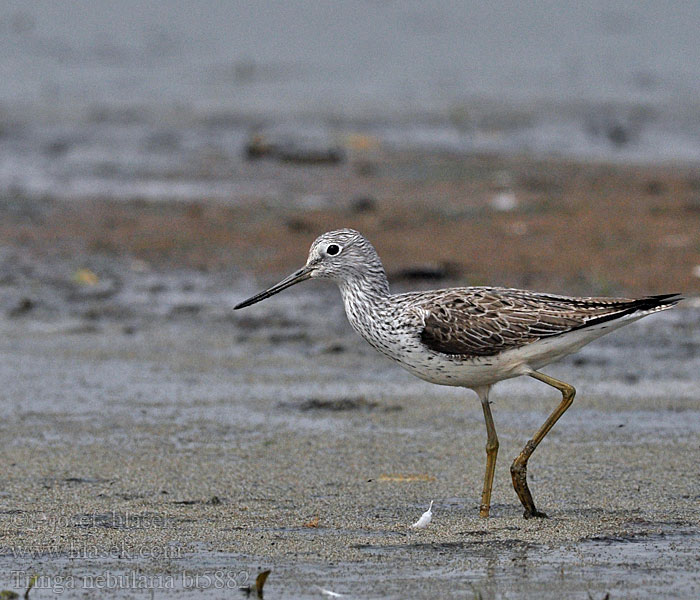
(470, 337)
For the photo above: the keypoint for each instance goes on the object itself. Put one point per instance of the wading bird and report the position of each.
(470, 337)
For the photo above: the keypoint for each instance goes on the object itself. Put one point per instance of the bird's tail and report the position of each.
(655, 303)
(636, 308)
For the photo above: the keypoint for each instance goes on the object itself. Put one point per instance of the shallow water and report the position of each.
(470, 569)
(156, 101)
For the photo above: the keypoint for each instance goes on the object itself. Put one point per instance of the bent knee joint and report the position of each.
(519, 477)
(518, 470)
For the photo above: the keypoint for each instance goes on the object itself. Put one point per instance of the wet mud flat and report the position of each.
(155, 449)
(435, 217)
(157, 443)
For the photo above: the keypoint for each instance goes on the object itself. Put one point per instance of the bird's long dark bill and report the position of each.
(300, 275)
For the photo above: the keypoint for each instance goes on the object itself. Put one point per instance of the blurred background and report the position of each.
(541, 144)
(162, 160)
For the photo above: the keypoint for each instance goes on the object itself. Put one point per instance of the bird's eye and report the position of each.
(333, 249)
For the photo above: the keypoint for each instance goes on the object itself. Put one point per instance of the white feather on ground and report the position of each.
(330, 593)
(425, 518)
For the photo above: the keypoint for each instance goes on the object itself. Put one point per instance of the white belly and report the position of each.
(445, 369)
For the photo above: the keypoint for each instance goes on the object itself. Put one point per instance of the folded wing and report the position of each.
(487, 321)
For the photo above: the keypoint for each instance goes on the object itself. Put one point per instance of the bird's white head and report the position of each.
(343, 255)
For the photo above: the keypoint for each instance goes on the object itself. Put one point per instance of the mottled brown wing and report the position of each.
(486, 321)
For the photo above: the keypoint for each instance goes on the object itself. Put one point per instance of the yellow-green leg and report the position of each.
(491, 452)
(518, 469)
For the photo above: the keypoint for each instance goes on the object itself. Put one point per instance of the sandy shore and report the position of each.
(176, 451)
(155, 441)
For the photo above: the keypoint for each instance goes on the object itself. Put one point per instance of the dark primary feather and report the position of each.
(486, 321)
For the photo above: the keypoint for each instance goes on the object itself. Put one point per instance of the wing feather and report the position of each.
(474, 322)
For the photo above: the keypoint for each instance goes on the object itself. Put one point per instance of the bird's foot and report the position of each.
(534, 513)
